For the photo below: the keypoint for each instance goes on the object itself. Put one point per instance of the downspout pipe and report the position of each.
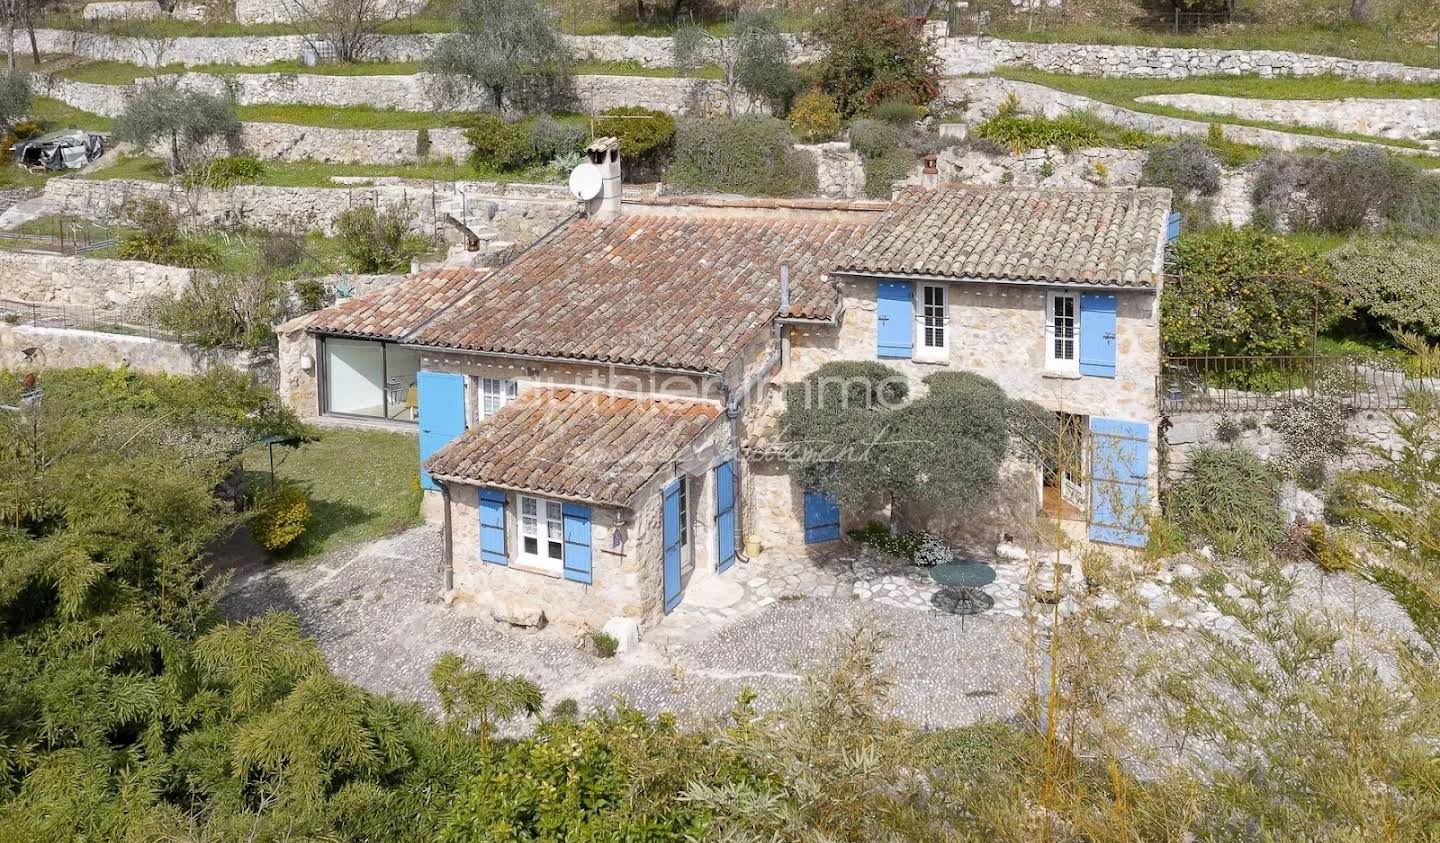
(448, 555)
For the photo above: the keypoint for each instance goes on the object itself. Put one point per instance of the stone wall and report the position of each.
(1407, 119)
(287, 11)
(417, 92)
(1188, 432)
(960, 56)
(64, 348)
(291, 142)
(840, 171)
(122, 10)
(92, 282)
(511, 212)
(984, 97)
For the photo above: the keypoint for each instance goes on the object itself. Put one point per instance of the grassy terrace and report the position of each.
(1124, 93)
(122, 73)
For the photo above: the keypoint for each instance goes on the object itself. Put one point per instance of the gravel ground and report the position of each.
(376, 613)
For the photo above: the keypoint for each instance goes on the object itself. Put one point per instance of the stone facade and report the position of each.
(1415, 119)
(93, 282)
(997, 331)
(417, 92)
(63, 348)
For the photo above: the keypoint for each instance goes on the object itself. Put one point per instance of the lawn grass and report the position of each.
(348, 117)
(124, 73)
(1124, 93)
(362, 485)
(1353, 40)
(54, 115)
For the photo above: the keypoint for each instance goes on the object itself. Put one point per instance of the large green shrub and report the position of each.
(1078, 130)
(1395, 281)
(498, 144)
(14, 97)
(749, 155)
(226, 172)
(1185, 166)
(1359, 189)
(645, 136)
(887, 158)
(221, 310)
(814, 117)
(872, 53)
(1245, 292)
(280, 517)
(379, 241)
(1230, 499)
(158, 239)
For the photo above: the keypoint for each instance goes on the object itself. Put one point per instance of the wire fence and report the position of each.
(77, 317)
(1256, 384)
(66, 237)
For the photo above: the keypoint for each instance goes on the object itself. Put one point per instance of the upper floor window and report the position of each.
(496, 393)
(1062, 332)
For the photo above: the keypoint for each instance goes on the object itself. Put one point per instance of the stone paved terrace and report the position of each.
(376, 613)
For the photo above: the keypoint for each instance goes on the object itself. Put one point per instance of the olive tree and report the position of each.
(185, 121)
(849, 431)
(754, 59)
(14, 97)
(506, 47)
(351, 27)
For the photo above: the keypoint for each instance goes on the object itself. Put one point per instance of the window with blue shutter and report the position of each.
(493, 545)
(1097, 335)
(894, 319)
(724, 515)
(442, 414)
(1172, 228)
(822, 518)
(670, 546)
(1119, 481)
(577, 543)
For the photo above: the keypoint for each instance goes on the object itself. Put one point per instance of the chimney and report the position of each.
(605, 154)
(930, 172)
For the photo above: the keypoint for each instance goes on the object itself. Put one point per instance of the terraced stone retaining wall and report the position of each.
(94, 282)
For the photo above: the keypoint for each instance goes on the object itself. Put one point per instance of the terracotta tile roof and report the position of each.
(574, 443)
(764, 202)
(658, 288)
(394, 311)
(1076, 236)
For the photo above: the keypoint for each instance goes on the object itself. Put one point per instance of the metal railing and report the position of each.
(79, 317)
(1255, 384)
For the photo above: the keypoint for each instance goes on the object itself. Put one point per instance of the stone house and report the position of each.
(592, 415)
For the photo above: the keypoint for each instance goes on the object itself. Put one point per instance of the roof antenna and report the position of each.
(784, 288)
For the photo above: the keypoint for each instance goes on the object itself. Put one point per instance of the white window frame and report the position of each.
(1053, 361)
(923, 349)
(502, 390)
(545, 542)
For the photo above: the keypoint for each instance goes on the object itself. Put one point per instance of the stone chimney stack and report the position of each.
(605, 154)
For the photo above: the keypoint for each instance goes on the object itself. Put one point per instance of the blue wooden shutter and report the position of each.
(670, 544)
(822, 518)
(724, 515)
(1172, 228)
(493, 547)
(441, 396)
(894, 319)
(577, 542)
(1119, 481)
(1097, 334)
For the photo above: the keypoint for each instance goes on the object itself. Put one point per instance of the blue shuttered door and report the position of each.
(822, 518)
(441, 397)
(1097, 334)
(894, 319)
(493, 547)
(577, 542)
(724, 515)
(1119, 481)
(670, 534)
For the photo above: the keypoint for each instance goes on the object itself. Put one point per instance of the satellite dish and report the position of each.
(585, 181)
